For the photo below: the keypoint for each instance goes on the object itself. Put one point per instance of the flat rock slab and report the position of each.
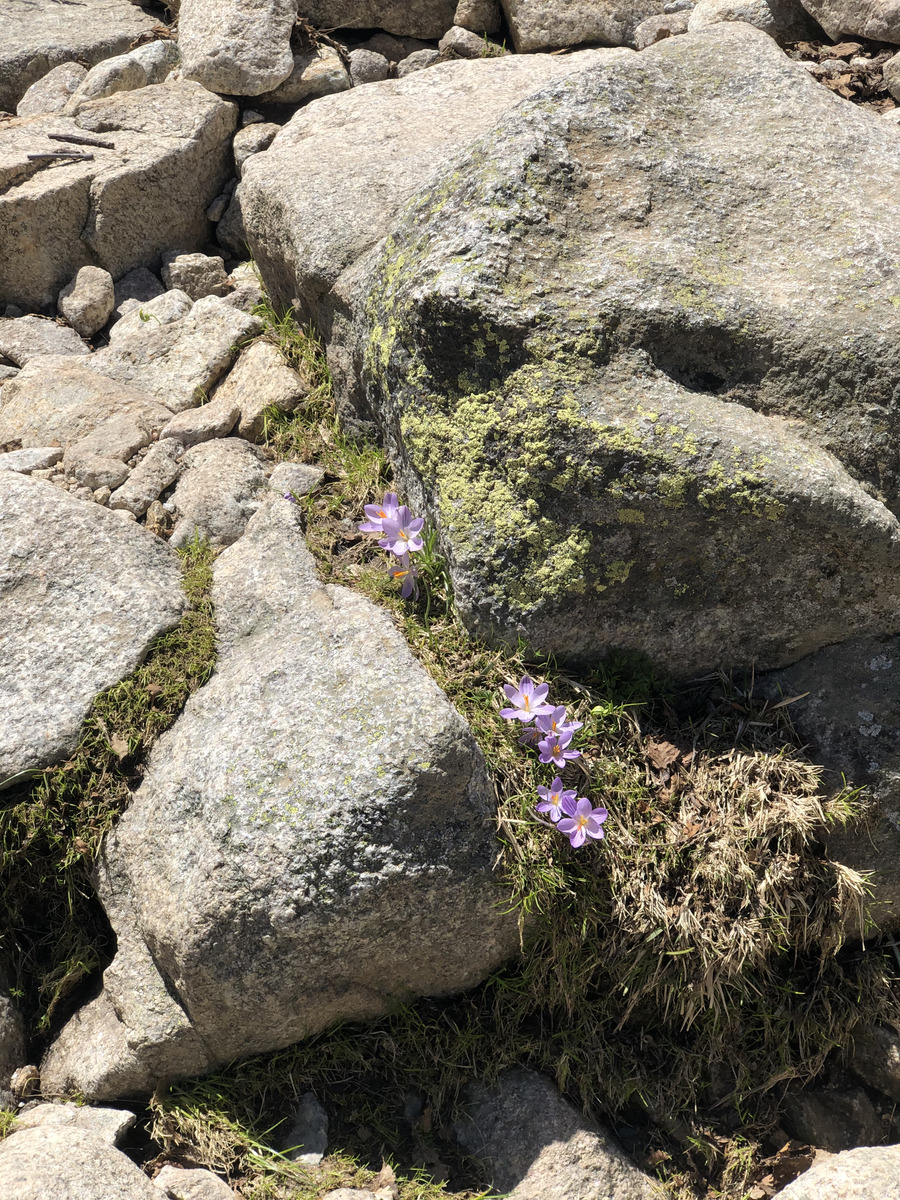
(24, 338)
(120, 207)
(83, 596)
(538, 1147)
(663, 432)
(871, 1173)
(68, 1164)
(313, 839)
(361, 155)
(41, 34)
(407, 18)
(110, 1124)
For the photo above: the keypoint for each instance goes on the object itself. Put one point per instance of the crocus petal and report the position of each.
(568, 803)
(540, 692)
(567, 826)
(512, 692)
(577, 837)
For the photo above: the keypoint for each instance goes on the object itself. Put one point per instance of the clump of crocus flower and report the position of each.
(401, 536)
(551, 734)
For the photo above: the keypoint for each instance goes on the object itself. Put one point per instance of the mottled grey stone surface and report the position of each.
(236, 47)
(197, 275)
(83, 596)
(548, 25)
(313, 839)
(154, 473)
(786, 20)
(197, 1184)
(876, 19)
(180, 362)
(120, 207)
(316, 72)
(253, 139)
(35, 458)
(538, 1147)
(412, 18)
(481, 16)
(68, 1164)
(876, 1059)
(259, 380)
(65, 400)
(52, 92)
(195, 425)
(637, 420)
(41, 34)
(122, 73)
(867, 1174)
(24, 338)
(218, 492)
(110, 1124)
(87, 300)
(362, 155)
(145, 318)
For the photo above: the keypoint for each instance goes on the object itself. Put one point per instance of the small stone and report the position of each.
(481, 16)
(24, 338)
(391, 48)
(26, 1081)
(109, 1124)
(124, 514)
(216, 210)
(195, 425)
(181, 1184)
(876, 1059)
(251, 117)
(123, 73)
(87, 301)
(158, 520)
(462, 43)
(158, 470)
(8, 371)
(252, 140)
(42, 474)
(12, 310)
(93, 471)
(298, 478)
(368, 67)
(31, 460)
(234, 47)
(350, 1194)
(655, 29)
(246, 298)
(198, 275)
(145, 318)
(306, 1138)
(52, 91)
(417, 62)
(834, 1118)
(259, 380)
(102, 495)
(218, 491)
(317, 72)
(140, 285)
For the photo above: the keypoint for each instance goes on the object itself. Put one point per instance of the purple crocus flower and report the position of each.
(402, 534)
(530, 737)
(555, 748)
(582, 820)
(527, 700)
(378, 513)
(407, 573)
(556, 722)
(552, 799)
(290, 496)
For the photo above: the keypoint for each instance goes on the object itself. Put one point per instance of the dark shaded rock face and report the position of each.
(637, 352)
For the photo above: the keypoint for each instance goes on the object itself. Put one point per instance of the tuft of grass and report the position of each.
(51, 829)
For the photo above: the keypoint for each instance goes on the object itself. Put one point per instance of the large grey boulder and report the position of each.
(237, 47)
(313, 839)
(876, 19)
(847, 711)
(406, 18)
(872, 1173)
(165, 154)
(39, 35)
(83, 596)
(538, 1147)
(361, 156)
(25, 338)
(637, 420)
(548, 25)
(68, 1164)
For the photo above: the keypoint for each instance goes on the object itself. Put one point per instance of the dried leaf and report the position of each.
(661, 754)
(119, 745)
(844, 50)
